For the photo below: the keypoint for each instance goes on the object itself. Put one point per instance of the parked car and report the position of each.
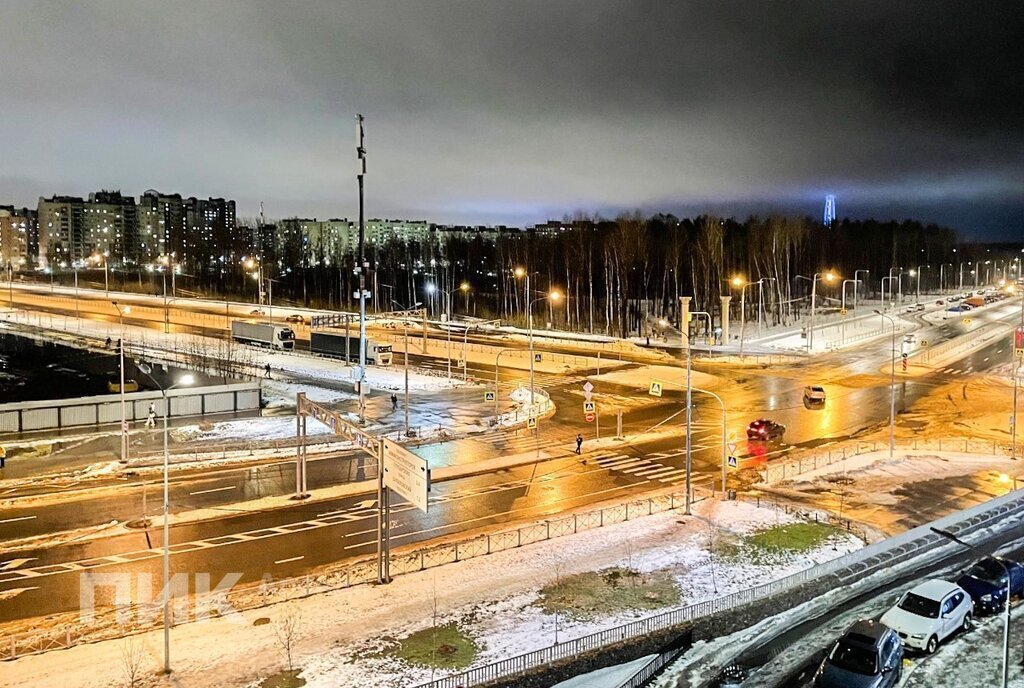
(256, 311)
(940, 302)
(916, 308)
(765, 429)
(985, 582)
(929, 613)
(814, 394)
(868, 655)
(295, 318)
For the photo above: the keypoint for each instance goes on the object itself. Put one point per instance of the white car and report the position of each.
(930, 613)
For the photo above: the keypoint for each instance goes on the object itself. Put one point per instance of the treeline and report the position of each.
(617, 274)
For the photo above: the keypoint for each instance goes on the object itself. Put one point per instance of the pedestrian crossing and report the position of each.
(646, 467)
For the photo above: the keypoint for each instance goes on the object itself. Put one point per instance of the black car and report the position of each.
(985, 582)
(764, 429)
(869, 655)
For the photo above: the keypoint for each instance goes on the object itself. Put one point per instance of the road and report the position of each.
(297, 538)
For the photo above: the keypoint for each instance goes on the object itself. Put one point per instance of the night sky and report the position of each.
(514, 112)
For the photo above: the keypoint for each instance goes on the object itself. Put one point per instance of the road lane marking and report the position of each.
(14, 563)
(216, 489)
(286, 561)
(20, 518)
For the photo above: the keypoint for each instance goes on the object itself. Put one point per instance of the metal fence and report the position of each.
(848, 567)
(787, 469)
(365, 571)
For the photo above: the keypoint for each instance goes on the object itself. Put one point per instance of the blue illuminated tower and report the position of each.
(829, 218)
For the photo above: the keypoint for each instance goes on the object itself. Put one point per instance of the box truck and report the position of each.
(337, 345)
(263, 334)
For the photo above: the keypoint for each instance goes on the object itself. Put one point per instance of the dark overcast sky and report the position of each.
(513, 112)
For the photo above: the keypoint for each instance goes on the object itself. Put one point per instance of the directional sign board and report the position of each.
(488, 396)
(655, 390)
(589, 407)
(406, 474)
(733, 462)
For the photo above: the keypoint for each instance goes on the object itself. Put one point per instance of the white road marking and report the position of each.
(14, 563)
(216, 489)
(20, 518)
(285, 561)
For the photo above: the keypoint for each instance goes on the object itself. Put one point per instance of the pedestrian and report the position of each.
(107, 345)
(3, 457)
(579, 443)
(266, 368)
(648, 340)
(151, 418)
(394, 402)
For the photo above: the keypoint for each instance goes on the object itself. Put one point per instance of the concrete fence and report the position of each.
(54, 414)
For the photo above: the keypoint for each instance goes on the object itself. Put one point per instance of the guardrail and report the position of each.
(404, 560)
(786, 469)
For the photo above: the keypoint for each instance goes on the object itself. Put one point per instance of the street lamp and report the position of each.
(1006, 604)
(120, 354)
(432, 289)
(892, 388)
(742, 285)
(97, 257)
(183, 381)
(828, 277)
(465, 288)
(855, 288)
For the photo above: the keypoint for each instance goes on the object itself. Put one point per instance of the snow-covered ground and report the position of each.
(670, 377)
(492, 598)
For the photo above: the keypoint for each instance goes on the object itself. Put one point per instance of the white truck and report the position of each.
(278, 337)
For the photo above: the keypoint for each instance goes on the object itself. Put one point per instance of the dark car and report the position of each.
(295, 319)
(764, 429)
(256, 311)
(869, 655)
(985, 582)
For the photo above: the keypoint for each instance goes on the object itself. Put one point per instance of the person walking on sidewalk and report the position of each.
(394, 402)
(579, 443)
(266, 372)
(151, 418)
(3, 456)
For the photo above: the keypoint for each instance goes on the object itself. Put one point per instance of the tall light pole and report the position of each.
(1018, 341)
(361, 268)
(120, 354)
(892, 388)
(684, 331)
(741, 284)
(405, 365)
(183, 381)
(447, 298)
(552, 297)
(1006, 604)
(855, 288)
(828, 277)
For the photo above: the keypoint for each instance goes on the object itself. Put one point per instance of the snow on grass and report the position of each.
(668, 546)
(255, 429)
(910, 466)
(389, 378)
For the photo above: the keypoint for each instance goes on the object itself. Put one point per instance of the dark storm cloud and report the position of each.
(514, 111)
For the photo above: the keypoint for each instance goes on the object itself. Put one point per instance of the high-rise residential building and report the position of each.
(212, 237)
(110, 228)
(18, 237)
(161, 224)
(324, 242)
(377, 231)
(60, 230)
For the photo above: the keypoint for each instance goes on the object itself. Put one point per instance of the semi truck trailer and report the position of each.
(278, 337)
(338, 345)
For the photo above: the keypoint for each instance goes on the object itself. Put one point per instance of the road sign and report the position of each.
(1018, 342)
(733, 462)
(842, 312)
(732, 447)
(655, 390)
(536, 358)
(966, 321)
(488, 396)
(924, 342)
(589, 407)
(590, 417)
(531, 423)
(904, 363)
(406, 474)
(588, 386)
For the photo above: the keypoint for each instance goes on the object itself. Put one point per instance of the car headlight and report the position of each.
(918, 636)
(986, 597)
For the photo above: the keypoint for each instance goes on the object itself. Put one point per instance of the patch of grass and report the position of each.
(284, 679)
(597, 593)
(443, 647)
(770, 544)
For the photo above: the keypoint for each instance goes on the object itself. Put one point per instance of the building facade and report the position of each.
(18, 237)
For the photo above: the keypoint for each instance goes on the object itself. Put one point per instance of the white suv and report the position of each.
(930, 613)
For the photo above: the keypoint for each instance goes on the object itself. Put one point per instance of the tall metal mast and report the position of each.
(361, 269)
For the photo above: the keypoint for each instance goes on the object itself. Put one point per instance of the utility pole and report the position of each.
(361, 268)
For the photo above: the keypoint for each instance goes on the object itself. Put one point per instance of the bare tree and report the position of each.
(286, 629)
(132, 658)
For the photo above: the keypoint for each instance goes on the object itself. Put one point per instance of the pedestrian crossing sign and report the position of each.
(536, 358)
(488, 396)
(733, 462)
(531, 423)
(655, 390)
(589, 407)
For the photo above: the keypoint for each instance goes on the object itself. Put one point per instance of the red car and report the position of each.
(764, 429)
